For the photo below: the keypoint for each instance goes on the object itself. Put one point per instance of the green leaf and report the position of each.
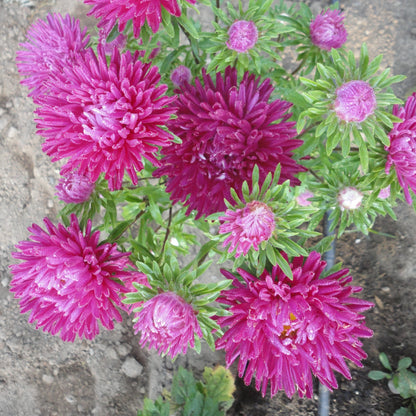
(219, 383)
(283, 264)
(378, 375)
(405, 362)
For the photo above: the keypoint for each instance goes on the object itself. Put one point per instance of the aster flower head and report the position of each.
(243, 36)
(248, 227)
(167, 323)
(402, 148)
(355, 101)
(303, 198)
(74, 188)
(52, 45)
(349, 198)
(69, 281)
(283, 330)
(226, 128)
(105, 118)
(139, 12)
(180, 75)
(327, 30)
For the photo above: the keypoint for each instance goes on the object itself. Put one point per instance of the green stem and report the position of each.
(189, 37)
(167, 231)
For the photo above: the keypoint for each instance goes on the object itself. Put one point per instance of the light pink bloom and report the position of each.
(384, 193)
(248, 227)
(69, 281)
(328, 31)
(119, 42)
(167, 323)
(243, 36)
(355, 101)
(349, 198)
(139, 11)
(227, 127)
(74, 188)
(402, 149)
(106, 117)
(180, 75)
(52, 46)
(283, 330)
(303, 198)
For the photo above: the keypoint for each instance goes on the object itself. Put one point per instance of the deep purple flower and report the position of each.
(69, 281)
(283, 330)
(226, 128)
(180, 75)
(349, 198)
(402, 149)
(167, 323)
(105, 118)
(355, 101)
(139, 11)
(74, 188)
(52, 46)
(248, 227)
(243, 36)
(327, 30)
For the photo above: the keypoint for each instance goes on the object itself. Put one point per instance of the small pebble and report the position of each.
(47, 379)
(131, 368)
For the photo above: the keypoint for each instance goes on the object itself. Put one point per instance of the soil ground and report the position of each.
(110, 376)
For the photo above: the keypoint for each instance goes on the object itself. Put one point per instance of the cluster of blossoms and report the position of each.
(104, 111)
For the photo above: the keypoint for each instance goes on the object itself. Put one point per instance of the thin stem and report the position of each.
(167, 230)
(297, 69)
(217, 4)
(316, 175)
(189, 37)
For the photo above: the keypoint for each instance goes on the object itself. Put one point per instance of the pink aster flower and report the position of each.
(248, 227)
(327, 30)
(139, 11)
(52, 46)
(303, 198)
(180, 75)
(355, 101)
(69, 281)
(384, 193)
(283, 330)
(243, 36)
(167, 323)
(226, 128)
(105, 118)
(349, 198)
(402, 149)
(74, 188)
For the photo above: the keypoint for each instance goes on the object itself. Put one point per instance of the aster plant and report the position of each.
(182, 146)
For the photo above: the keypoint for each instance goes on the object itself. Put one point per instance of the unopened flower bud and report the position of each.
(303, 198)
(74, 188)
(243, 36)
(180, 75)
(349, 198)
(327, 30)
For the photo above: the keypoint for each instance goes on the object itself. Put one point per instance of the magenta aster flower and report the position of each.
(139, 11)
(349, 198)
(402, 149)
(168, 323)
(248, 227)
(283, 330)
(355, 101)
(69, 281)
(105, 118)
(74, 188)
(180, 75)
(226, 128)
(243, 36)
(327, 30)
(52, 46)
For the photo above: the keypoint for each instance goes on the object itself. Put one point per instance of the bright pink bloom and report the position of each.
(74, 188)
(402, 149)
(328, 31)
(303, 198)
(180, 75)
(355, 101)
(226, 128)
(105, 118)
(52, 46)
(243, 36)
(284, 330)
(139, 11)
(349, 198)
(248, 227)
(69, 281)
(167, 323)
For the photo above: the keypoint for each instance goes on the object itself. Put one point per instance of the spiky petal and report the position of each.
(226, 128)
(167, 323)
(283, 330)
(69, 281)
